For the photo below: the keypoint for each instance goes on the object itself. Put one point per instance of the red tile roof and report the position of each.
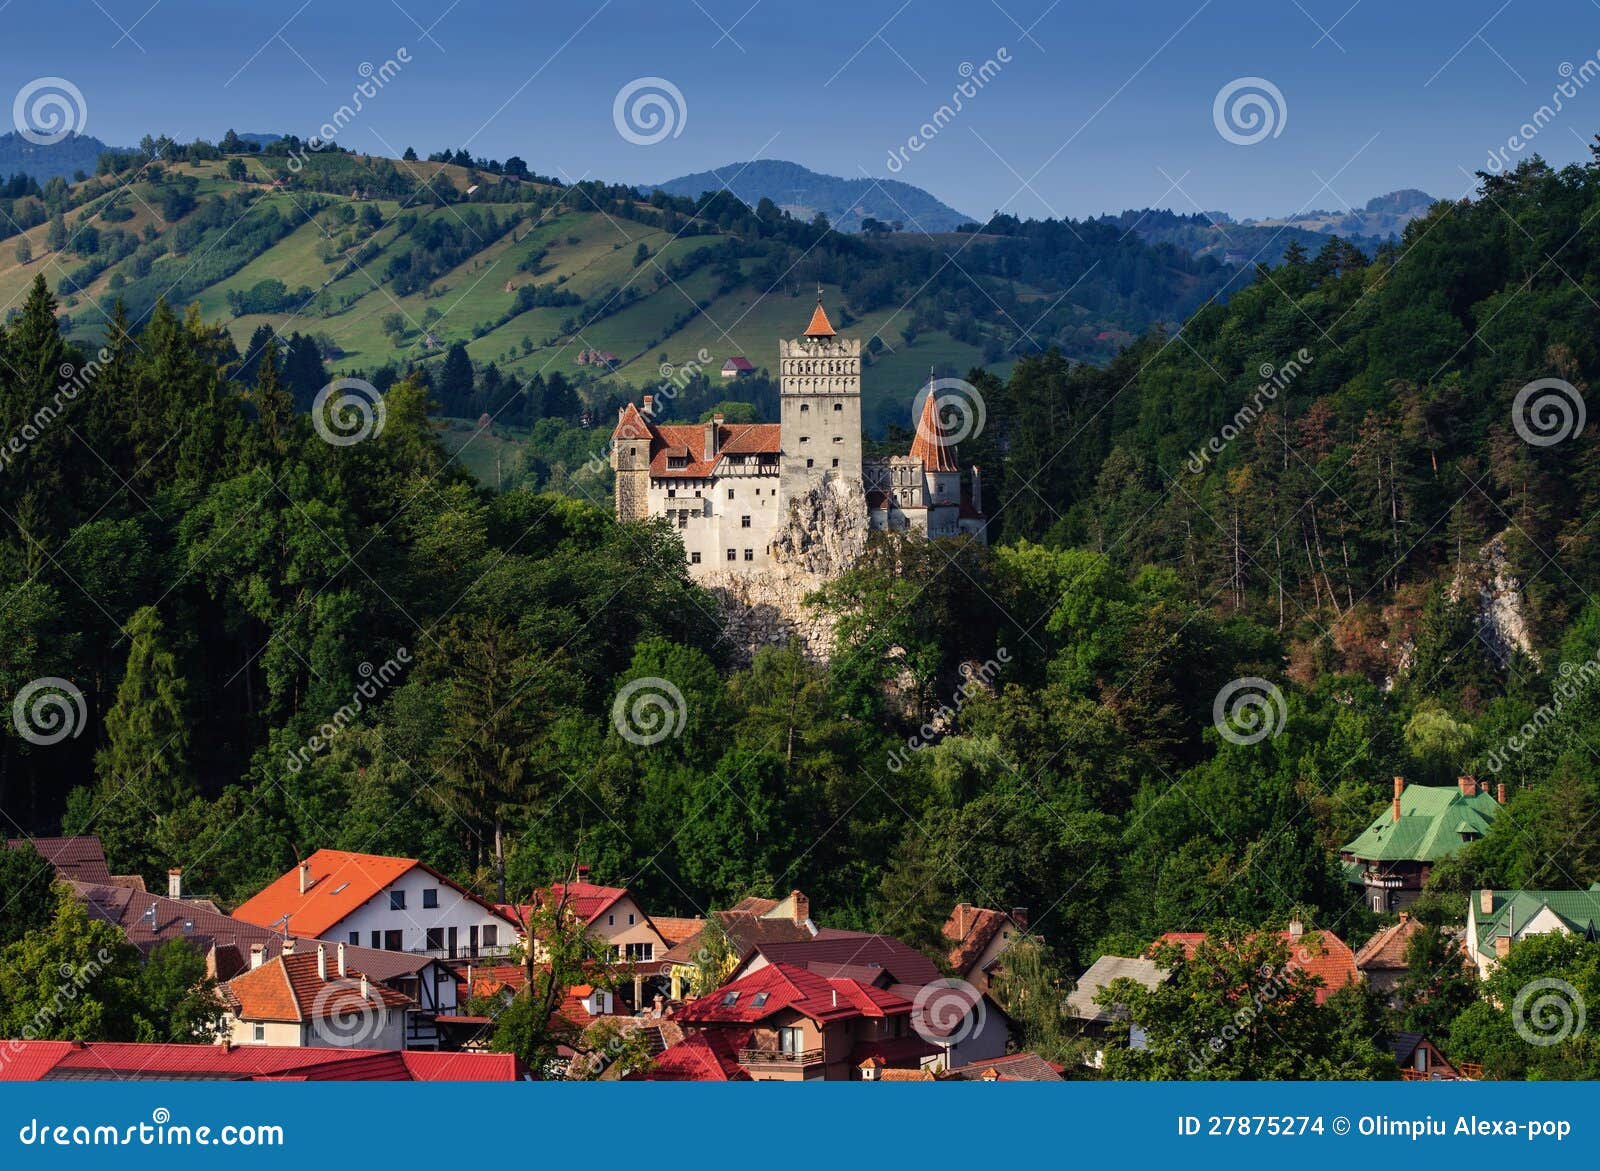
(341, 883)
(76, 859)
(710, 1056)
(132, 1061)
(675, 930)
(929, 446)
(1387, 949)
(1318, 953)
(970, 930)
(739, 362)
(1013, 1067)
(787, 986)
(854, 954)
(820, 325)
(289, 989)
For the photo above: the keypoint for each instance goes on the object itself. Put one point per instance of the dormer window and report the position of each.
(677, 461)
(730, 997)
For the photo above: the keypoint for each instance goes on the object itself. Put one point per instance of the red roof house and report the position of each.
(1318, 953)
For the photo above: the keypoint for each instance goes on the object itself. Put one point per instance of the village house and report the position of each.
(314, 999)
(1321, 954)
(1095, 1020)
(1420, 1060)
(961, 1023)
(613, 917)
(787, 1023)
(747, 924)
(1423, 824)
(1382, 959)
(978, 938)
(77, 859)
(736, 366)
(1497, 919)
(393, 904)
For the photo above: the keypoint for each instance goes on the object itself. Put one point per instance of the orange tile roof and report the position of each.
(341, 883)
(674, 930)
(1387, 949)
(820, 325)
(1317, 953)
(929, 445)
(289, 989)
(970, 929)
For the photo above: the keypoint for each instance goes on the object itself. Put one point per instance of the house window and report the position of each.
(730, 997)
(397, 900)
(733, 554)
(355, 939)
(744, 522)
(694, 559)
(630, 920)
(641, 951)
(611, 920)
(760, 1000)
(391, 941)
(435, 939)
(490, 936)
(791, 1041)
(377, 939)
(258, 1032)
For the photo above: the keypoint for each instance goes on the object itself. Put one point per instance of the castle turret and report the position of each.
(941, 473)
(820, 406)
(631, 443)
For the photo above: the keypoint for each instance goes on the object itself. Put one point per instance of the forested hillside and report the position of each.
(222, 587)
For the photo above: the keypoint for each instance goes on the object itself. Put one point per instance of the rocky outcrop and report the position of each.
(1502, 619)
(825, 535)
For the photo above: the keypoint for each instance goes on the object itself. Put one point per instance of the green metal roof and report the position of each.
(1433, 819)
(1515, 909)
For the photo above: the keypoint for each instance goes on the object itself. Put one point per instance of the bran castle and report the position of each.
(757, 500)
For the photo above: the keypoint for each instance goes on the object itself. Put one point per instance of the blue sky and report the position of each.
(1101, 106)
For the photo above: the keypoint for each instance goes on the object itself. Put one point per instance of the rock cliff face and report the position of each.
(1502, 620)
(825, 535)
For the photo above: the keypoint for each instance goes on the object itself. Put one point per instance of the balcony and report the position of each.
(778, 1059)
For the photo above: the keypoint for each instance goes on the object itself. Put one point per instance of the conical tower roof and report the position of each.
(820, 325)
(929, 446)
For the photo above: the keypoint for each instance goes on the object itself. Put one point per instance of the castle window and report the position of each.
(835, 463)
(838, 406)
(809, 463)
(805, 439)
(744, 522)
(694, 559)
(805, 406)
(749, 554)
(838, 438)
(672, 492)
(730, 493)
(733, 554)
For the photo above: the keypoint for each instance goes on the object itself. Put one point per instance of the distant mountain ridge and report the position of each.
(803, 193)
(74, 153)
(1382, 216)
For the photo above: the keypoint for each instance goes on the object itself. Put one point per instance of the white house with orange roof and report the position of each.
(372, 900)
(728, 487)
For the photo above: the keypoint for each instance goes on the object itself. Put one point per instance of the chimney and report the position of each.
(977, 489)
(288, 945)
(1296, 928)
(1019, 916)
(305, 877)
(1399, 787)
(1404, 915)
(712, 433)
(257, 954)
(1486, 901)
(1469, 786)
(175, 883)
(366, 988)
(322, 962)
(802, 908)
(1502, 946)
(340, 956)
(583, 871)
(1500, 793)
(963, 919)
(226, 1044)
(835, 998)
(649, 406)
(660, 1005)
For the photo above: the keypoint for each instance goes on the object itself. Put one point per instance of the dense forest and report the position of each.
(220, 585)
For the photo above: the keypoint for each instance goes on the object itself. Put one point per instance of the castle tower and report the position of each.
(820, 407)
(630, 459)
(939, 468)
